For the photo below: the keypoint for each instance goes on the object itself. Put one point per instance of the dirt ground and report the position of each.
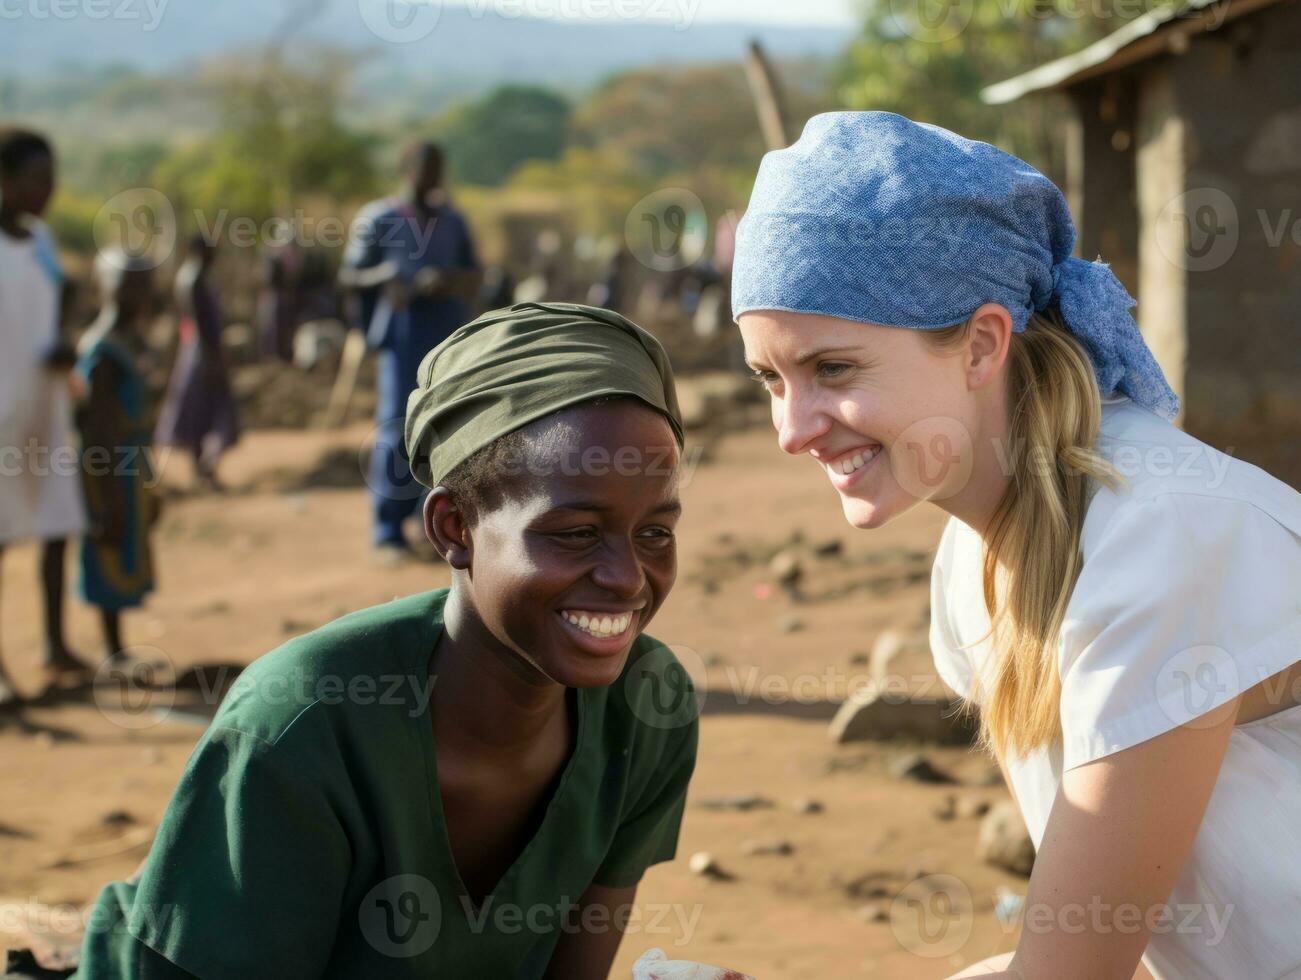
(875, 884)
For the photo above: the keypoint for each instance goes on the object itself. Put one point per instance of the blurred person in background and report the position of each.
(198, 412)
(412, 262)
(281, 270)
(116, 565)
(40, 496)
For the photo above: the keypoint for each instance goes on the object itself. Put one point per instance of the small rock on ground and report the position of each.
(738, 801)
(807, 806)
(756, 848)
(918, 768)
(1004, 841)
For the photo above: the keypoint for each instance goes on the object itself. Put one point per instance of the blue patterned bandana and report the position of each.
(873, 217)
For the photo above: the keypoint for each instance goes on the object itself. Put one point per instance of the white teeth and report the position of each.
(599, 625)
(856, 462)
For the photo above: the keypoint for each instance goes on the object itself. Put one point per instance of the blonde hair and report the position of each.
(1032, 556)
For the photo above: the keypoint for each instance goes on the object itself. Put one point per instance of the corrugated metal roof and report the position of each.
(1096, 58)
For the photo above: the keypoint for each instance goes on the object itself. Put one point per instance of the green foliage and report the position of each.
(594, 189)
(280, 139)
(131, 164)
(278, 132)
(488, 139)
(72, 217)
(929, 59)
(686, 119)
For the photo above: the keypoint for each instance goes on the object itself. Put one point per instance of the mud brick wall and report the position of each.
(1185, 175)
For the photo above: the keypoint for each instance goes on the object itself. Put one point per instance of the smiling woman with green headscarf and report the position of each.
(467, 782)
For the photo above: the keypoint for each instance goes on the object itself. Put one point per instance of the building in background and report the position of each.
(1184, 173)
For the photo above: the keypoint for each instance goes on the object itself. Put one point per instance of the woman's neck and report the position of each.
(976, 503)
(484, 697)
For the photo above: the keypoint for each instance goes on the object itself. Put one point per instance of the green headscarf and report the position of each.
(516, 365)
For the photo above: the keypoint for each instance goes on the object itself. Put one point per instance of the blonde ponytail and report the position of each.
(1032, 558)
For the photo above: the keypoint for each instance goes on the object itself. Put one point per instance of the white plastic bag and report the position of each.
(654, 965)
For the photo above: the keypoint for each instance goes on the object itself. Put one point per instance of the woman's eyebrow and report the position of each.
(805, 356)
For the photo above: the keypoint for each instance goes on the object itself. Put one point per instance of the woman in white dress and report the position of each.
(1120, 602)
(40, 482)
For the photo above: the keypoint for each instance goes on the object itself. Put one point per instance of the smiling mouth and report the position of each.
(597, 624)
(604, 631)
(850, 464)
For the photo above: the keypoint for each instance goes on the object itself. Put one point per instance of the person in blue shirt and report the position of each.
(411, 261)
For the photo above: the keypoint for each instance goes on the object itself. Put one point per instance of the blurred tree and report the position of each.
(928, 60)
(72, 218)
(123, 165)
(488, 139)
(280, 139)
(691, 118)
(596, 188)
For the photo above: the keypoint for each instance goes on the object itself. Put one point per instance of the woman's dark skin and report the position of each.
(503, 721)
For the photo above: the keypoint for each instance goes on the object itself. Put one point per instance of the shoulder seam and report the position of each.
(1152, 495)
(272, 742)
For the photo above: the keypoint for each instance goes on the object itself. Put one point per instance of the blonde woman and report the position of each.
(1118, 600)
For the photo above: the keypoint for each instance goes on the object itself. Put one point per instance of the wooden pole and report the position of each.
(765, 87)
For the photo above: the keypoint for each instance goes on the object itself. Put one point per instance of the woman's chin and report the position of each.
(869, 514)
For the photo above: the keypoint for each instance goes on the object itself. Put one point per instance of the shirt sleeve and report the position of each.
(649, 834)
(109, 951)
(1186, 601)
(247, 874)
(467, 257)
(363, 249)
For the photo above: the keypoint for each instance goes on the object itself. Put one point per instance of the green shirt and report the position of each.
(306, 836)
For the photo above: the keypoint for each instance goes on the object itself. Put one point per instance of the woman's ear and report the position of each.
(447, 529)
(988, 340)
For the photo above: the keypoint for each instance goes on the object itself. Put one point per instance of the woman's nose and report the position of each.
(620, 571)
(798, 421)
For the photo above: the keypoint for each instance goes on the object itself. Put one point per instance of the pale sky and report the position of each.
(807, 13)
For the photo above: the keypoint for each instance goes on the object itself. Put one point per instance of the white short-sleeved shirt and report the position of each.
(1189, 594)
(40, 481)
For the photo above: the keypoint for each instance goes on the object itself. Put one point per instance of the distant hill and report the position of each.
(475, 42)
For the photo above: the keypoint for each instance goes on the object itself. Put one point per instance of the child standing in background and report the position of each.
(116, 566)
(40, 496)
(198, 411)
